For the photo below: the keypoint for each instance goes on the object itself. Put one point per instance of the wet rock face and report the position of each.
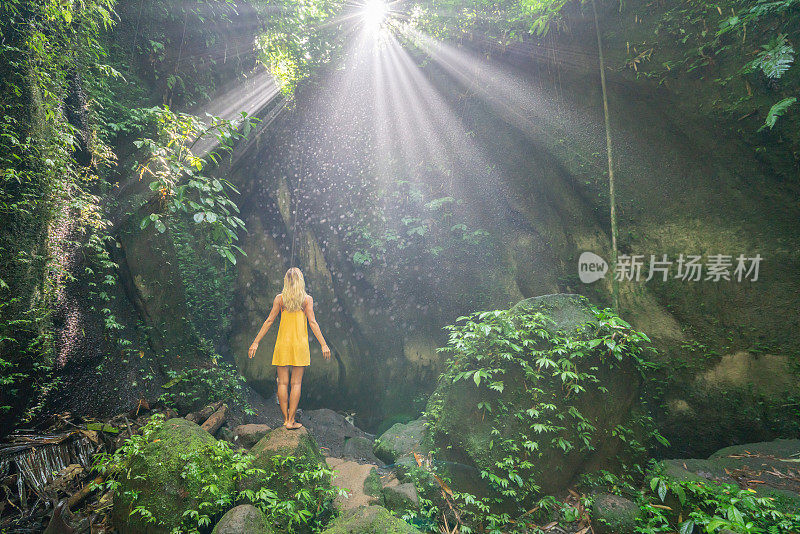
(156, 476)
(469, 433)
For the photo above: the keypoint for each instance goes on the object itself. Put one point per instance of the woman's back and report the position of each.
(291, 346)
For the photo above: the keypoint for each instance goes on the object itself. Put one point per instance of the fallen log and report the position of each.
(216, 420)
(201, 415)
(84, 492)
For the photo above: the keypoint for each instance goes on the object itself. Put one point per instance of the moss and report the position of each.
(156, 477)
(369, 519)
(372, 484)
(243, 518)
(283, 443)
(612, 514)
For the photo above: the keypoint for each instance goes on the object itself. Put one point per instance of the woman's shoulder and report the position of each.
(278, 299)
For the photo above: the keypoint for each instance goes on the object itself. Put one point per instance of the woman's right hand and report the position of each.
(252, 350)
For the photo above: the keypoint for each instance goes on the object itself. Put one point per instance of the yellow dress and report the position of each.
(291, 347)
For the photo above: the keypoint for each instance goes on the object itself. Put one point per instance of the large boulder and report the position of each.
(154, 481)
(274, 446)
(401, 497)
(360, 449)
(400, 441)
(613, 514)
(519, 386)
(243, 519)
(249, 434)
(331, 429)
(369, 519)
(357, 480)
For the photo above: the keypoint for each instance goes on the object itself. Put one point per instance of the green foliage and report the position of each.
(491, 350)
(419, 228)
(189, 390)
(297, 38)
(775, 58)
(46, 198)
(686, 506)
(180, 178)
(777, 110)
(303, 511)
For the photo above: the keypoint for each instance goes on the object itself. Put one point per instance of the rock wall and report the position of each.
(684, 186)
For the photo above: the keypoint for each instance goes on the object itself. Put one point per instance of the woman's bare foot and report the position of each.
(293, 425)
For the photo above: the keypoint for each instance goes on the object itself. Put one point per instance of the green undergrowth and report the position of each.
(538, 388)
(191, 389)
(688, 506)
(211, 472)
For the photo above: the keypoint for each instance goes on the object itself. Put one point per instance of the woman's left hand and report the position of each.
(326, 352)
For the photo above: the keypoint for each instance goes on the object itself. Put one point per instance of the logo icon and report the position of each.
(591, 267)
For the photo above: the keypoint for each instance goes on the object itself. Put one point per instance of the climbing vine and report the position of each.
(532, 383)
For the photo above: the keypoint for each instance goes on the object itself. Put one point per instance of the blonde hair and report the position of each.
(294, 290)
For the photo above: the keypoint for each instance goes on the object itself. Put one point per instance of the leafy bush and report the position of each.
(188, 390)
(688, 506)
(304, 511)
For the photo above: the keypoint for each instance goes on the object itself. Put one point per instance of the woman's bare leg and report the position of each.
(283, 391)
(294, 397)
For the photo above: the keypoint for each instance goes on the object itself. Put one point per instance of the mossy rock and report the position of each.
(297, 443)
(612, 514)
(464, 433)
(369, 520)
(401, 498)
(156, 476)
(401, 440)
(243, 519)
(765, 458)
(372, 484)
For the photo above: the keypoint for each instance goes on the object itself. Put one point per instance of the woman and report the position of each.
(291, 347)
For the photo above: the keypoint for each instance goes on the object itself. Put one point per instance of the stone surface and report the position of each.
(331, 430)
(156, 475)
(401, 497)
(248, 435)
(297, 443)
(369, 520)
(360, 449)
(464, 433)
(400, 441)
(243, 519)
(773, 463)
(613, 514)
(353, 477)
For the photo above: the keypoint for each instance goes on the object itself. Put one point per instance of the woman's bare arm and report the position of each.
(312, 322)
(273, 314)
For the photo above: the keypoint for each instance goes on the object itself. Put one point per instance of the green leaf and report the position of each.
(777, 110)
(662, 490)
(687, 527)
(199, 216)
